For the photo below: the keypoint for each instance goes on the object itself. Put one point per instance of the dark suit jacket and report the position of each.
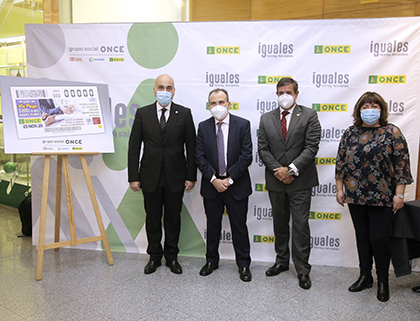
(300, 148)
(169, 149)
(239, 156)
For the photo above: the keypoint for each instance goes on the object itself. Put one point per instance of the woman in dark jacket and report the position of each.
(372, 170)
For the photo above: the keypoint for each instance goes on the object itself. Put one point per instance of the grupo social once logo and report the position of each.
(270, 79)
(260, 188)
(322, 49)
(325, 216)
(233, 106)
(323, 107)
(264, 239)
(387, 79)
(325, 160)
(223, 50)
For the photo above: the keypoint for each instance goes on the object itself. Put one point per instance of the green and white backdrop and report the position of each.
(334, 62)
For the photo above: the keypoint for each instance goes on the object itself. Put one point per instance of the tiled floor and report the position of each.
(80, 285)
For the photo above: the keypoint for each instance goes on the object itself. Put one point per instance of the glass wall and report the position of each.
(15, 173)
(13, 63)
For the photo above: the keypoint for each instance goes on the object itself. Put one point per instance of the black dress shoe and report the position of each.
(151, 266)
(383, 291)
(362, 283)
(276, 269)
(416, 289)
(245, 274)
(174, 266)
(304, 281)
(208, 269)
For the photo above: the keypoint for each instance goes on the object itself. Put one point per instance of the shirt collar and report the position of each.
(159, 107)
(225, 121)
(289, 110)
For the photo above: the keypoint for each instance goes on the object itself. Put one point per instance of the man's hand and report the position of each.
(48, 119)
(135, 186)
(282, 174)
(67, 109)
(289, 180)
(189, 185)
(221, 185)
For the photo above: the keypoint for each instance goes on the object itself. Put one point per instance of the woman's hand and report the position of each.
(398, 203)
(340, 197)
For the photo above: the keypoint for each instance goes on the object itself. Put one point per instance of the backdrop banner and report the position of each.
(334, 62)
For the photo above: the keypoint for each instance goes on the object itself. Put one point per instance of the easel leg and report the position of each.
(96, 209)
(43, 218)
(58, 199)
(67, 184)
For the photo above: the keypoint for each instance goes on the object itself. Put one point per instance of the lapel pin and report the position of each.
(176, 111)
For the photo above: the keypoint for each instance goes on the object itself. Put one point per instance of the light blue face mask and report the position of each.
(163, 97)
(370, 116)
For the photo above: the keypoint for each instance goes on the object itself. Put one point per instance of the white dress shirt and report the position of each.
(288, 119)
(159, 111)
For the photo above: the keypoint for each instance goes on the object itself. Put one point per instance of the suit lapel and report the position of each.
(153, 121)
(172, 121)
(211, 134)
(276, 121)
(297, 112)
(232, 139)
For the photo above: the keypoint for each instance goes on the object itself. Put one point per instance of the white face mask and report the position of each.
(286, 101)
(219, 112)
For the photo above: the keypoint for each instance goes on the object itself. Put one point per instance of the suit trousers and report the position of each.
(373, 229)
(163, 201)
(294, 203)
(237, 212)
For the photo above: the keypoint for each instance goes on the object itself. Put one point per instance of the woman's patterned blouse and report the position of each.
(372, 161)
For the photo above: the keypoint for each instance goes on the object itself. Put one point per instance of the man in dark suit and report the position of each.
(224, 153)
(165, 129)
(288, 140)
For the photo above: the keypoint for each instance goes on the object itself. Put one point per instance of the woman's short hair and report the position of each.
(370, 97)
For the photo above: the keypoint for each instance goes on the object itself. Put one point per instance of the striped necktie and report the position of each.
(162, 121)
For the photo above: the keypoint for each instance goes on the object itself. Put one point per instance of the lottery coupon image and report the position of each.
(56, 111)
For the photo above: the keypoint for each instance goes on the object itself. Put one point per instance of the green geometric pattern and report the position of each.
(113, 240)
(152, 45)
(191, 242)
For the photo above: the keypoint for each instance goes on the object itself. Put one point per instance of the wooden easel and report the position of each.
(63, 167)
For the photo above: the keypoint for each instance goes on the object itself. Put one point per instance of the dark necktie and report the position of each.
(283, 123)
(162, 121)
(221, 149)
